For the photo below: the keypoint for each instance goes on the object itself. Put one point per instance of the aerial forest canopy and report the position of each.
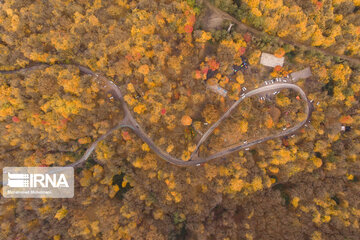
(180, 66)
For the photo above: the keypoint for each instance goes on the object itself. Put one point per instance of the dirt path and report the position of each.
(243, 27)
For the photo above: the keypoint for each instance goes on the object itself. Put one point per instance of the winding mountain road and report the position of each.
(129, 121)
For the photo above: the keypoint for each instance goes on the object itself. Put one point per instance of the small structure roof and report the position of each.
(302, 74)
(270, 60)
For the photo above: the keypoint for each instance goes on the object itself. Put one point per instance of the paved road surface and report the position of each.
(130, 122)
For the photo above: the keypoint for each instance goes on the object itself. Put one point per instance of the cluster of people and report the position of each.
(244, 65)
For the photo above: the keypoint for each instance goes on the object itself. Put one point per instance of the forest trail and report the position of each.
(243, 27)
